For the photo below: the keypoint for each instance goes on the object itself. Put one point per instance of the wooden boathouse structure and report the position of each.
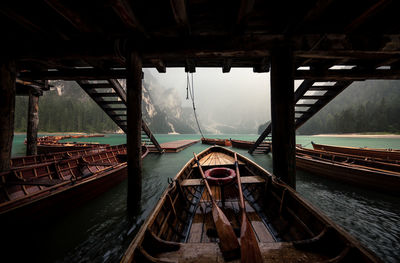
(326, 43)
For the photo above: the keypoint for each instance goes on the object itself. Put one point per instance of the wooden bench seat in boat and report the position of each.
(210, 252)
(244, 180)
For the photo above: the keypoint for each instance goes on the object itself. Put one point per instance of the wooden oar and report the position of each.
(227, 239)
(249, 249)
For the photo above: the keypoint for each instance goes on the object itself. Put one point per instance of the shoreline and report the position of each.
(359, 135)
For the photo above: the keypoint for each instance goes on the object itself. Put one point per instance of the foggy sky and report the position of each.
(240, 96)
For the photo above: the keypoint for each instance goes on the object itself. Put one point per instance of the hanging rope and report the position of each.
(190, 90)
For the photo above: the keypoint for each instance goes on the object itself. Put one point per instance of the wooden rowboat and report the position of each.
(23, 161)
(265, 147)
(388, 154)
(220, 142)
(44, 189)
(242, 144)
(375, 163)
(287, 227)
(378, 176)
(43, 148)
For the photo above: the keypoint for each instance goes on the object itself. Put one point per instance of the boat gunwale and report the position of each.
(60, 188)
(346, 238)
(350, 166)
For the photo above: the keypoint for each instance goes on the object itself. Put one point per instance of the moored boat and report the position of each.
(389, 154)
(264, 147)
(375, 163)
(181, 227)
(220, 142)
(378, 176)
(242, 144)
(45, 189)
(47, 147)
(22, 161)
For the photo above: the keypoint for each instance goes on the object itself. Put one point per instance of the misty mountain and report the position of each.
(162, 109)
(67, 108)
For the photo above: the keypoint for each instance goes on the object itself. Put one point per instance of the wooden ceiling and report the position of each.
(75, 39)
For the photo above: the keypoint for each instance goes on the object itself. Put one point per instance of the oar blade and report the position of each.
(249, 249)
(228, 242)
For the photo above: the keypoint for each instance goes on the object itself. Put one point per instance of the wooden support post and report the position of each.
(33, 122)
(134, 112)
(282, 115)
(7, 108)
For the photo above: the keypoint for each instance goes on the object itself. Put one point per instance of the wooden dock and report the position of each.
(175, 146)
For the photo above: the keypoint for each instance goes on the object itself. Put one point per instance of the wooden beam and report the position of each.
(25, 90)
(367, 14)
(302, 89)
(23, 21)
(350, 54)
(33, 122)
(348, 74)
(246, 6)
(227, 64)
(74, 74)
(190, 66)
(179, 10)
(75, 19)
(134, 113)
(7, 108)
(124, 10)
(159, 64)
(117, 87)
(316, 12)
(263, 66)
(282, 115)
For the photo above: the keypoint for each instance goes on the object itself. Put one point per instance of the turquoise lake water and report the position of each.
(101, 230)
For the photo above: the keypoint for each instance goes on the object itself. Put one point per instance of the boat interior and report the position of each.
(26, 182)
(382, 165)
(23, 161)
(288, 229)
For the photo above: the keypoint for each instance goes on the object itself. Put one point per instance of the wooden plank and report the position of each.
(124, 10)
(7, 108)
(134, 145)
(33, 122)
(72, 16)
(244, 180)
(176, 146)
(209, 252)
(282, 115)
(179, 10)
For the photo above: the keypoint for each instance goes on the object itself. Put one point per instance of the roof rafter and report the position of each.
(72, 17)
(180, 14)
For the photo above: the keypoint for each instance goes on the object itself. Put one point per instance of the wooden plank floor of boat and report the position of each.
(202, 245)
(210, 252)
(203, 227)
(216, 158)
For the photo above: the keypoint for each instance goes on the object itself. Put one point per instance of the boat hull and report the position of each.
(393, 155)
(220, 142)
(357, 176)
(48, 148)
(66, 198)
(242, 144)
(288, 228)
